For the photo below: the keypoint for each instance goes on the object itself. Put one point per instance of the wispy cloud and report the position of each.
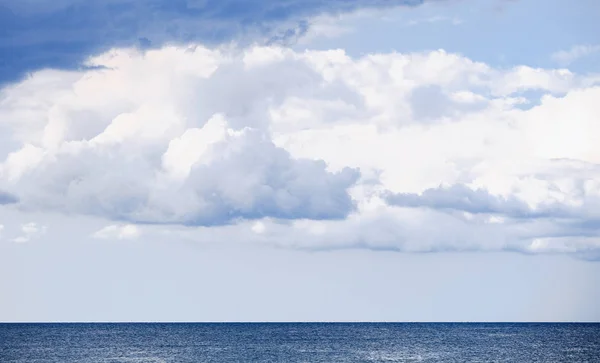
(566, 57)
(30, 231)
(434, 19)
(121, 232)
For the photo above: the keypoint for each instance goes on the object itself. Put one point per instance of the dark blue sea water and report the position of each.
(360, 342)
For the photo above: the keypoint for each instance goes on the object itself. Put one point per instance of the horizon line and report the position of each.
(298, 322)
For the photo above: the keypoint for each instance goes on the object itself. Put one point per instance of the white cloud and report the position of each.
(562, 244)
(122, 232)
(30, 231)
(185, 151)
(566, 57)
(18, 162)
(159, 154)
(273, 139)
(258, 227)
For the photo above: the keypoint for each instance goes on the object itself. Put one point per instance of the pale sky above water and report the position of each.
(431, 161)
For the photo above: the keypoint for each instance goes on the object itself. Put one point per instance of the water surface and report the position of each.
(306, 342)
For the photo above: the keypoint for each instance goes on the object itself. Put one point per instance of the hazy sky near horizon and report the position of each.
(348, 160)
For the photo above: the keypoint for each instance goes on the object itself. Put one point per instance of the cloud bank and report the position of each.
(420, 152)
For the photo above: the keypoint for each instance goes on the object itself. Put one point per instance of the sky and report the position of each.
(347, 160)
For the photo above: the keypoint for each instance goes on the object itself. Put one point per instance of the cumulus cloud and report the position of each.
(148, 155)
(425, 151)
(240, 175)
(39, 34)
(121, 232)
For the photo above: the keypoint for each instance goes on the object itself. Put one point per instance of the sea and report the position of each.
(299, 342)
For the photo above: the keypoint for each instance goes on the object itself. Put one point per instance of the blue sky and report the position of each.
(314, 160)
(501, 33)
